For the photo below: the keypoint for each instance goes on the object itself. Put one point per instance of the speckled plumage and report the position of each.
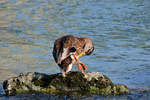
(62, 50)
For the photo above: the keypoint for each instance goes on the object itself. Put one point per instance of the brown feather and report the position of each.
(82, 44)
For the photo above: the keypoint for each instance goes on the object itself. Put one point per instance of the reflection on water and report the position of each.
(38, 96)
(120, 31)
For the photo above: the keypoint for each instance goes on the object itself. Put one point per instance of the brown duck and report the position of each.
(68, 49)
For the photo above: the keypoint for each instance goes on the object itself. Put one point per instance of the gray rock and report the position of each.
(73, 83)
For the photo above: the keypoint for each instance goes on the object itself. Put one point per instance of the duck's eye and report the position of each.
(73, 49)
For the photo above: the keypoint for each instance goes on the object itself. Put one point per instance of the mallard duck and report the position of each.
(68, 49)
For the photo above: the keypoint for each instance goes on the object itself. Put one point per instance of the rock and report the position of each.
(73, 83)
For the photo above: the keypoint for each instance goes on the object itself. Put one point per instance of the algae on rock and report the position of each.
(73, 82)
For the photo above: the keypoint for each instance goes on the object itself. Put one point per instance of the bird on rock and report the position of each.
(68, 49)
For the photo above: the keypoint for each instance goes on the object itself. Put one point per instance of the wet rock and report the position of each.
(72, 83)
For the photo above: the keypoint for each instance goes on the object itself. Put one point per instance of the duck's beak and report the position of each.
(81, 54)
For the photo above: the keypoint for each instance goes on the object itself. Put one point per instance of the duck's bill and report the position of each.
(82, 54)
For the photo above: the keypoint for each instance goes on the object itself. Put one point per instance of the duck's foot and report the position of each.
(82, 67)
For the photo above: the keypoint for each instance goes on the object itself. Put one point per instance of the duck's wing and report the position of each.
(56, 49)
(61, 48)
(59, 52)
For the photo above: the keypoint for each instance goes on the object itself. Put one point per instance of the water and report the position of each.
(37, 96)
(120, 30)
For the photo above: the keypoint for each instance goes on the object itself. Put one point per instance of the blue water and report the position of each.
(120, 30)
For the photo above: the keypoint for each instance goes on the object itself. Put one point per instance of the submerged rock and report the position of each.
(72, 83)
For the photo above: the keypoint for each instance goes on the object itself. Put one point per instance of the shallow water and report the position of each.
(120, 30)
(38, 96)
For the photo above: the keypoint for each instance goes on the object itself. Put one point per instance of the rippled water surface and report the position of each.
(120, 30)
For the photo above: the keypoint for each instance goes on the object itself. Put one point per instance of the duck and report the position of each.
(68, 49)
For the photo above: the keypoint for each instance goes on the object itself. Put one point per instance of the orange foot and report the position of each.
(82, 66)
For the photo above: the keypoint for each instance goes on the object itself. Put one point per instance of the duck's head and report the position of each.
(88, 47)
